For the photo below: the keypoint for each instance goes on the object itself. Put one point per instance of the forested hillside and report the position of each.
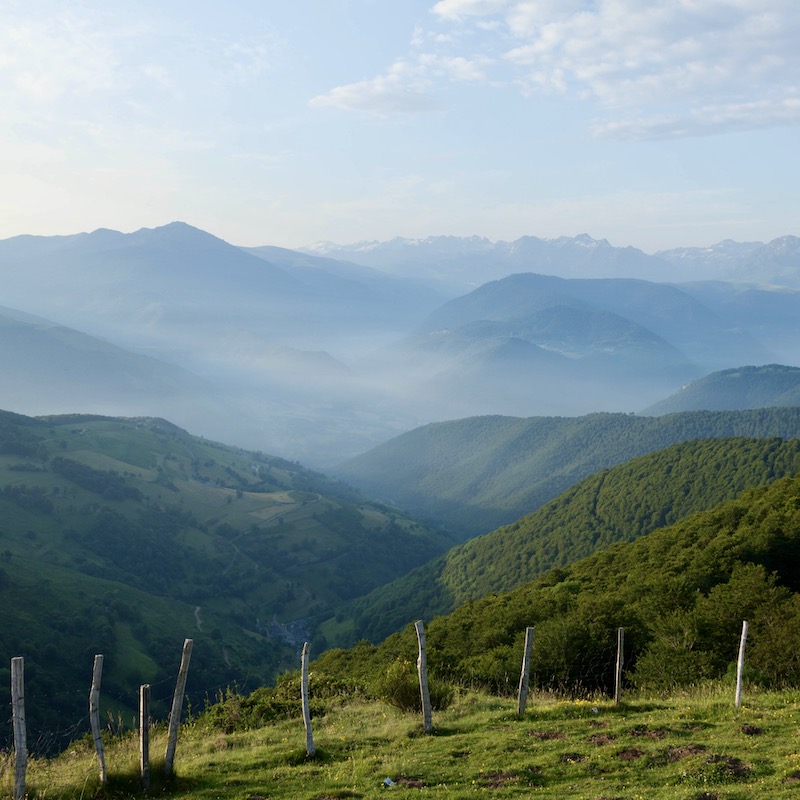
(613, 505)
(473, 475)
(744, 387)
(124, 536)
(680, 592)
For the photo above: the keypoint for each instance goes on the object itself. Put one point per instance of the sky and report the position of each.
(652, 124)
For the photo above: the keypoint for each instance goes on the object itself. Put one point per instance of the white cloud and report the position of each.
(655, 69)
(683, 66)
(61, 53)
(409, 86)
(704, 121)
(457, 9)
(404, 89)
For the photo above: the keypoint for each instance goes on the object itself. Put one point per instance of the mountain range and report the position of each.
(423, 382)
(460, 264)
(319, 359)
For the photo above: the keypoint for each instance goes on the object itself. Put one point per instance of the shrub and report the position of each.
(398, 686)
(233, 711)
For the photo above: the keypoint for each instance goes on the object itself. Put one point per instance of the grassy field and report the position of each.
(692, 745)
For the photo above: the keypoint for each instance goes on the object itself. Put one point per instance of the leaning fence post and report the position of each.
(526, 670)
(620, 660)
(20, 733)
(94, 716)
(740, 665)
(144, 734)
(177, 706)
(306, 710)
(427, 723)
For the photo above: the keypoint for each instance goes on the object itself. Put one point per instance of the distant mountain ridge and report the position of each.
(319, 359)
(263, 333)
(531, 343)
(480, 260)
(776, 263)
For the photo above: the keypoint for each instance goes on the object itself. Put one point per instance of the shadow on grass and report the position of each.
(437, 731)
(586, 710)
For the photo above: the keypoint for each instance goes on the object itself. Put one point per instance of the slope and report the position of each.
(745, 387)
(473, 475)
(618, 504)
(680, 592)
(123, 536)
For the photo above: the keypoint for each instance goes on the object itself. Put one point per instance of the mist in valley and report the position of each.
(318, 359)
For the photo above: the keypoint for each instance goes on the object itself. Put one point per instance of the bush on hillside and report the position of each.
(398, 686)
(234, 711)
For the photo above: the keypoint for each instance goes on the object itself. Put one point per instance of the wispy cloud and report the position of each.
(404, 89)
(54, 53)
(410, 86)
(652, 69)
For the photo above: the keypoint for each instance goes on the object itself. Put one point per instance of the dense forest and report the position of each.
(742, 387)
(681, 593)
(473, 475)
(618, 504)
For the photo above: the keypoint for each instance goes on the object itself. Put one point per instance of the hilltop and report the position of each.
(772, 385)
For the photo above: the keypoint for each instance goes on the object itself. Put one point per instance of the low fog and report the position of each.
(316, 358)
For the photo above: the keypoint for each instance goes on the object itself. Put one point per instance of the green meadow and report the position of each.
(693, 744)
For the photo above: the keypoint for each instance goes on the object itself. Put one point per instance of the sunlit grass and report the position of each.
(694, 744)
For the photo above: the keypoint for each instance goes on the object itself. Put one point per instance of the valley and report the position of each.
(474, 457)
(405, 363)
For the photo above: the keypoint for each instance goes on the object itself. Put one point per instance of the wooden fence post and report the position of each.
(94, 716)
(620, 661)
(740, 665)
(422, 669)
(306, 710)
(177, 707)
(20, 732)
(144, 734)
(524, 677)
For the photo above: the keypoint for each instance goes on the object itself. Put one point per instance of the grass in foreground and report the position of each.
(694, 745)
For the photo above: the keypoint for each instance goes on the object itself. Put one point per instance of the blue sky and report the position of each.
(651, 124)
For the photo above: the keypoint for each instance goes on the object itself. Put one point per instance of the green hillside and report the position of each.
(744, 387)
(125, 536)
(473, 475)
(618, 504)
(680, 592)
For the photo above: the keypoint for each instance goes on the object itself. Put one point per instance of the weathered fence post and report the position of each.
(94, 716)
(524, 677)
(144, 734)
(20, 733)
(306, 710)
(177, 707)
(620, 661)
(740, 665)
(422, 669)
